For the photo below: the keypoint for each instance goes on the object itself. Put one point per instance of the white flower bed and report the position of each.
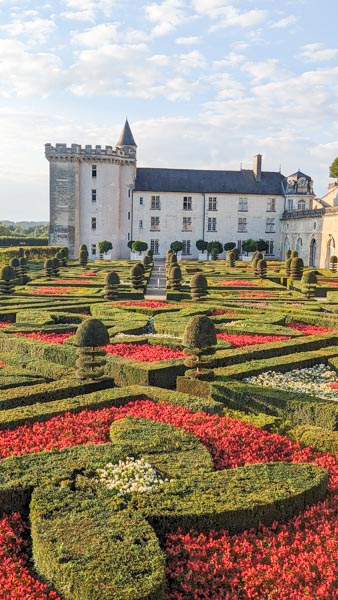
(314, 381)
(131, 475)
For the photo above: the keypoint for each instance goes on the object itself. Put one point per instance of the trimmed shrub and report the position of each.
(136, 276)
(333, 264)
(198, 286)
(296, 268)
(175, 277)
(288, 266)
(91, 335)
(261, 268)
(199, 337)
(231, 258)
(294, 254)
(56, 267)
(48, 266)
(308, 283)
(7, 274)
(83, 257)
(112, 281)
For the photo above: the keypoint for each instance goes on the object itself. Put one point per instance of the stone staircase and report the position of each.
(156, 288)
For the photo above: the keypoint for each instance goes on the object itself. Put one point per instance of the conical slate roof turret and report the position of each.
(126, 138)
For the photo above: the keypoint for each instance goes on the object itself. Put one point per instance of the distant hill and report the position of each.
(25, 223)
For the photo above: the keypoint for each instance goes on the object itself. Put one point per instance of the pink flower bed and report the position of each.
(309, 329)
(287, 561)
(219, 311)
(143, 352)
(40, 336)
(145, 304)
(238, 283)
(248, 340)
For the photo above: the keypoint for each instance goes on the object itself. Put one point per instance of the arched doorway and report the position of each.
(299, 247)
(313, 250)
(330, 251)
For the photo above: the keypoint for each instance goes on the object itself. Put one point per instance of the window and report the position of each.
(243, 205)
(93, 222)
(94, 171)
(212, 224)
(270, 226)
(154, 246)
(242, 225)
(290, 204)
(93, 248)
(271, 206)
(155, 223)
(186, 247)
(93, 195)
(155, 203)
(140, 224)
(187, 203)
(239, 246)
(186, 226)
(141, 201)
(212, 203)
(301, 205)
(269, 250)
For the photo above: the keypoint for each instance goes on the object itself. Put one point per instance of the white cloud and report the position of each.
(188, 41)
(166, 16)
(317, 53)
(87, 10)
(192, 60)
(227, 15)
(262, 69)
(285, 22)
(96, 36)
(233, 59)
(37, 30)
(24, 73)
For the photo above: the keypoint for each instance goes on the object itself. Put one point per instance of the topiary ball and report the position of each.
(14, 263)
(7, 273)
(199, 333)
(22, 261)
(112, 278)
(91, 333)
(309, 277)
(136, 271)
(198, 280)
(49, 263)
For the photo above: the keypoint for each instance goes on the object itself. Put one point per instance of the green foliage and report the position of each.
(214, 248)
(112, 278)
(139, 246)
(311, 435)
(201, 245)
(231, 258)
(176, 246)
(261, 268)
(229, 246)
(91, 333)
(249, 245)
(83, 257)
(104, 246)
(199, 333)
(262, 245)
(334, 168)
(7, 273)
(294, 254)
(296, 268)
(198, 286)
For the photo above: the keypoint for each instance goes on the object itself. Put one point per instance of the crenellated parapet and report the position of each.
(62, 151)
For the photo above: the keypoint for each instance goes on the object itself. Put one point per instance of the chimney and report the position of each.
(257, 166)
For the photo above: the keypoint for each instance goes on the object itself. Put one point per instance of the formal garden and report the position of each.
(170, 449)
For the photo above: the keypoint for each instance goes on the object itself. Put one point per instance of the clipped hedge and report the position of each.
(310, 435)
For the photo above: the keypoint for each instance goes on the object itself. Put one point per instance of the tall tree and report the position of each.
(334, 168)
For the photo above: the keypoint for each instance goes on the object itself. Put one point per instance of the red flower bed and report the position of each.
(248, 340)
(83, 281)
(309, 329)
(50, 291)
(291, 561)
(2, 364)
(334, 386)
(145, 304)
(89, 274)
(40, 336)
(238, 283)
(219, 311)
(5, 323)
(143, 352)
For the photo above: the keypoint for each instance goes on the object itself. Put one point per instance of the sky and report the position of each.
(204, 83)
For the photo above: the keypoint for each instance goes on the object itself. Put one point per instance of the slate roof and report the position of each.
(126, 138)
(209, 182)
(299, 174)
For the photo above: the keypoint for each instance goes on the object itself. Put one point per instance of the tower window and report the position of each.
(94, 171)
(93, 222)
(93, 195)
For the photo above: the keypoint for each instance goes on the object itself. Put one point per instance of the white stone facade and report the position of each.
(99, 194)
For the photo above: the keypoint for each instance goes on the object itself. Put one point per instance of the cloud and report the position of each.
(24, 73)
(37, 30)
(285, 22)
(233, 59)
(166, 16)
(87, 10)
(192, 60)
(260, 70)
(317, 53)
(227, 15)
(188, 41)
(96, 36)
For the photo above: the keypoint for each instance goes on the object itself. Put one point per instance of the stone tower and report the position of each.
(91, 194)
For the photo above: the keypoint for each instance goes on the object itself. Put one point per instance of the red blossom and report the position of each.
(2, 364)
(143, 352)
(219, 311)
(248, 340)
(238, 283)
(40, 336)
(146, 304)
(5, 323)
(308, 329)
(50, 291)
(89, 274)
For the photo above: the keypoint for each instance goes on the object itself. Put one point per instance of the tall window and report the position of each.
(140, 224)
(271, 205)
(186, 226)
(270, 226)
(93, 222)
(212, 203)
(187, 203)
(155, 203)
(155, 223)
(239, 246)
(141, 201)
(290, 204)
(242, 225)
(212, 224)
(186, 247)
(93, 195)
(243, 205)
(301, 205)
(155, 246)
(94, 171)
(270, 248)
(93, 249)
